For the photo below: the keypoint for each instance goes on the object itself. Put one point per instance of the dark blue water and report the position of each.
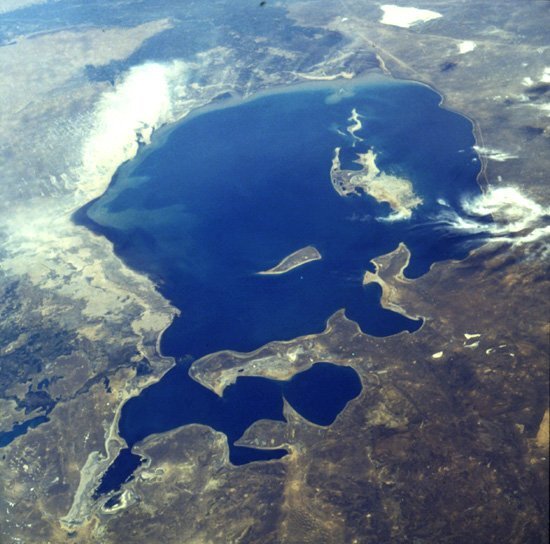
(7, 437)
(319, 394)
(119, 472)
(230, 192)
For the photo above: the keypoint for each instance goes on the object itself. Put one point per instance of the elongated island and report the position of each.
(294, 260)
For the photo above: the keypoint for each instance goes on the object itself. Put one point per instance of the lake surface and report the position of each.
(319, 394)
(231, 191)
(7, 437)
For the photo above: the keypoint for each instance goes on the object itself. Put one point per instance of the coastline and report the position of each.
(158, 137)
(162, 133)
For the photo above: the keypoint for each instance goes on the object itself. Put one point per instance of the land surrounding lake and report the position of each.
(447, 440)
(209, 205)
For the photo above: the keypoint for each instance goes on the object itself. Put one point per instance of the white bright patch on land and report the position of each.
(68, 266)
(544, 78)
(12, 5)
(544, 108)
(466, 47)
(494, 154)
(406, 17)
(142, 102)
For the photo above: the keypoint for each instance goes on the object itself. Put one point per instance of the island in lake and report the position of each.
(294, 260)
(397, 192)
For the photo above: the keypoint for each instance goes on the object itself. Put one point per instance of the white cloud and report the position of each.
(139, 104)
(514, 217)
(494, 154)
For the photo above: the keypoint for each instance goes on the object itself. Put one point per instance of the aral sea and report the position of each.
(233, 189)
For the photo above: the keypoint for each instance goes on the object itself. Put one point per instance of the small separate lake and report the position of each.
(231, 191)
(7, 437)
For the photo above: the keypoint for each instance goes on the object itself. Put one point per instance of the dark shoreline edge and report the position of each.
(80, 216)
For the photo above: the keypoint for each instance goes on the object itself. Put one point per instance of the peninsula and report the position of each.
(397, 192)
